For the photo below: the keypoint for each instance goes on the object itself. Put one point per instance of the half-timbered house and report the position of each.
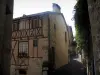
(39, 43)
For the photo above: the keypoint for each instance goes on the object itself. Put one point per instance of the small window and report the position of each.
(40, 22)
(33, 26)
(65, 36)
(23, 49)
(53, 53)
(35, 43)
(27, 24)
(22, 25)
(36, 23)
(22, 72)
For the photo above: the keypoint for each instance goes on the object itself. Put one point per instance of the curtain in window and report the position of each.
(23, 47)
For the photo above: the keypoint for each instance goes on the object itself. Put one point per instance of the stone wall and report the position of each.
(6, 12)
(94, 14)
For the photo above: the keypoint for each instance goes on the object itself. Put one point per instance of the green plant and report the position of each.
(82, 25)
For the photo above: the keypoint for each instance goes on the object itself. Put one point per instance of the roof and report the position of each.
(37, 14)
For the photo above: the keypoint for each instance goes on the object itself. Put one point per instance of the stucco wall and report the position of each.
(57, 38)
(37, 55)
(70, 32)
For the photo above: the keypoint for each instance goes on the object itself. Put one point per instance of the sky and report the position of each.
(35, 6)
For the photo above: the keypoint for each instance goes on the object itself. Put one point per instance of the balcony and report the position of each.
(23, 55)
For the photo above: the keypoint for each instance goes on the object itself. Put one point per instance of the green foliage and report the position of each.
(82, 25)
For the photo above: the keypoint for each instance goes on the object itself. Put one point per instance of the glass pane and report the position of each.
(23, 47)
(35, 43)
(40, 22)
(27, 24)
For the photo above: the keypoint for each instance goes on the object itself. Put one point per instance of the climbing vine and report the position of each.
(82, 25)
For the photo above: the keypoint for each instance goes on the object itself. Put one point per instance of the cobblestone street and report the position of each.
(73, 68)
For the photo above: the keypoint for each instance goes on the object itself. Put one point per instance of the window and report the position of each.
(65, 36)
(23, 49)
(35, 43)
(35, 23)
(15, 26)
(22, 25)
(27, 24)
(40, 22)
(33, 26)
(22, 72)
(53, 54)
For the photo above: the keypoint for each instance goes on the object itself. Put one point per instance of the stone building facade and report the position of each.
(40, 43)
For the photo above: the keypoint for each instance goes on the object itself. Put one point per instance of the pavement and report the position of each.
(73, 68)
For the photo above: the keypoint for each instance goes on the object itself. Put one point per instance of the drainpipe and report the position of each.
(49, 45)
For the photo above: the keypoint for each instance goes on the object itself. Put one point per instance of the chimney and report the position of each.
(56, 8)
(24, 15)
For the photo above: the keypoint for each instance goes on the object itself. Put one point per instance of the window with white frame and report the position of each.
(23, 49)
